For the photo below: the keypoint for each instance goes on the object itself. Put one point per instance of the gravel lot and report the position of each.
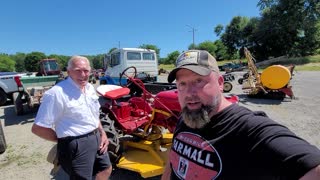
(25, 157)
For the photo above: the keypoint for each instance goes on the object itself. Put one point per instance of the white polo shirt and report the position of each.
(69, 111)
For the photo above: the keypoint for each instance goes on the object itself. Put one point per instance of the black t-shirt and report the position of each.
(240, 144)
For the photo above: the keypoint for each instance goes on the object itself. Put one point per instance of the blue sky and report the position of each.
(91, 27)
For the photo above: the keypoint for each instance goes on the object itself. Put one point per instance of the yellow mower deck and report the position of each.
(148, 158)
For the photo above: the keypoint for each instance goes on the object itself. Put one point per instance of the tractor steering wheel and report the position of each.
(129, 72)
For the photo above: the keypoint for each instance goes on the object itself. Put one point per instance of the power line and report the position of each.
(193, 30)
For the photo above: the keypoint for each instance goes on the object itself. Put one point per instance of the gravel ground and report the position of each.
(25, 157)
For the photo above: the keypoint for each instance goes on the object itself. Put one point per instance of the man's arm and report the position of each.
(313, 174)
(45, 133)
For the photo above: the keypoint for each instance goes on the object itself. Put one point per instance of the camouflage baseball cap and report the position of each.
(198, 61)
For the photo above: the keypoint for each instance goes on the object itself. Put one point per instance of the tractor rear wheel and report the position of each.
(113, 137)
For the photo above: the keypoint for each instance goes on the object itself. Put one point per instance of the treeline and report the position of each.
(28, 62)
(285, 28)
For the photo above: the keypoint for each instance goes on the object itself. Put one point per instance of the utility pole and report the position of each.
(193, 30)
(119, 44)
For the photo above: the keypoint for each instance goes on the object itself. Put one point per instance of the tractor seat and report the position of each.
(112, 91)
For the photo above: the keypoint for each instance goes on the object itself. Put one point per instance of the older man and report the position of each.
(69, 115)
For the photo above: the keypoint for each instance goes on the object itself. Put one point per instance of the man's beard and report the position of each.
(197, 119)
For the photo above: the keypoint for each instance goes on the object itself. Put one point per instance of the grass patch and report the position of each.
(308, 67)
(10, 156)
(16, 155)
(236, 61)
(167, 67)
(314, 59)
(33, 159)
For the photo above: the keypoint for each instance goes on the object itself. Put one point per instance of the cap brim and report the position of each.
(203, 71)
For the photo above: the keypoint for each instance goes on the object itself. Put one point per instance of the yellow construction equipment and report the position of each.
(272, 82)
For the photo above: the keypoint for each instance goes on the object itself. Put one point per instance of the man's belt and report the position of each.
(81, 136)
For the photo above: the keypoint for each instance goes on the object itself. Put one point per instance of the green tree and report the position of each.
(32, 60)
(153, 47)
(97, 61)
(290, 27)
(172, 57)
(218, 29)
(233, 37)
(221, 51)
(192, 46)
(162, 60)
(19, 61)
(112, 50)
(208, 46)
(6, 63)
(90, 58)
(216, 48)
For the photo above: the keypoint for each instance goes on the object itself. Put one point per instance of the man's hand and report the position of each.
(104, 142)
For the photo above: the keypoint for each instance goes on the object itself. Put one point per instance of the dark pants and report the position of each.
(80, 156)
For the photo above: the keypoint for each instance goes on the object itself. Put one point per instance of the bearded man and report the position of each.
(215, 139)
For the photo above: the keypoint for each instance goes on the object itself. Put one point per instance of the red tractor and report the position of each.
(139, 128)
(48, 67)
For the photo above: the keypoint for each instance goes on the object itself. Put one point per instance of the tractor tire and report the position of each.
(18, 103)
(3, 97)
(113, 137)
(277, 95)
(227, 87)
(240, 80)
(245, 76)
(103, 82)
(3, 144)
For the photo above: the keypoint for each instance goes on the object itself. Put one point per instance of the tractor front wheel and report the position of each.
(227, 87)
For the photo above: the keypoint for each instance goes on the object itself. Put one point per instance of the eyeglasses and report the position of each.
(198, 84)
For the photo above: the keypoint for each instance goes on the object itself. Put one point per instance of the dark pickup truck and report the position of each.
(231, 67)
